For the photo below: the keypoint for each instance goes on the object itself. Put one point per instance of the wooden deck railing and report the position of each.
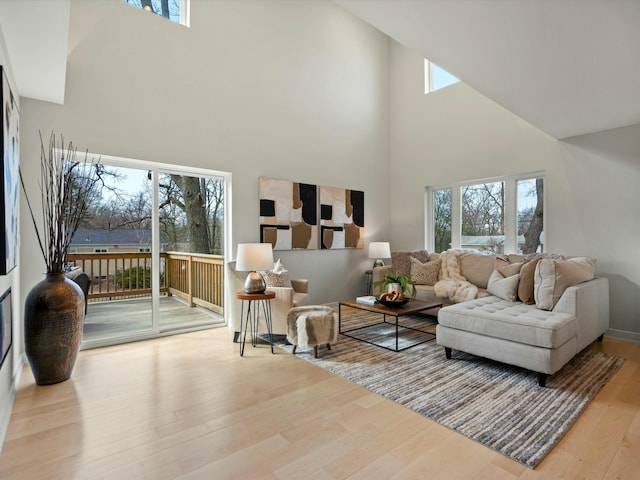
(198, 278)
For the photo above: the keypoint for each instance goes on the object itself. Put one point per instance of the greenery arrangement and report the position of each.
(401, 278)
(67, 187)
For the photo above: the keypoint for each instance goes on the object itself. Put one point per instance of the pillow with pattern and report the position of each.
(400, 261)
(278, 277)
(424, 273)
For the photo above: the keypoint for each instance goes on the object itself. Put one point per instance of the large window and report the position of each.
(436, 77)
(499, 216)
(175, 10)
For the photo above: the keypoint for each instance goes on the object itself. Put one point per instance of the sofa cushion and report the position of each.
(553, 277)
(424, 273)
(517, 322)
(400, 260)
(477, 268)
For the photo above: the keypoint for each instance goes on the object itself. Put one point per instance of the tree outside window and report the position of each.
(173, 10)
(482, 218)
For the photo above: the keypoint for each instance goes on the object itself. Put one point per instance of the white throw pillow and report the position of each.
(503, 287)
(553, 277)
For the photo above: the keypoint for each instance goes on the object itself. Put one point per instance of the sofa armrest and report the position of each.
(300, 285)
(589, 302)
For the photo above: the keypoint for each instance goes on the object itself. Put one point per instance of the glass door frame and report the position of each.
(157, 168)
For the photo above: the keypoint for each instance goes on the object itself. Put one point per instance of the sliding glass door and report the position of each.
(191, 220)
(152, 246)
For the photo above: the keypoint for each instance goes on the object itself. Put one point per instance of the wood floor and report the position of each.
(190, 407)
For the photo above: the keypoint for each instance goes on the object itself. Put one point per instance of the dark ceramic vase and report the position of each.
(53, 319)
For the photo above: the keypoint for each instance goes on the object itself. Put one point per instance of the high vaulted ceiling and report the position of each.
(36, 33)
(569, 67)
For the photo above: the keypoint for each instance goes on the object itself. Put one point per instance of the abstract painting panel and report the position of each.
(288, 214)
(9, 181)
(341, 218)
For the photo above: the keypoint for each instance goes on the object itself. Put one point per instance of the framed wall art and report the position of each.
(288, 214)
(6, 325)
(341, 218)
(10, 178)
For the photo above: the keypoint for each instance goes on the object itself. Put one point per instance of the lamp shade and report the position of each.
(254, 256)
(379, 250)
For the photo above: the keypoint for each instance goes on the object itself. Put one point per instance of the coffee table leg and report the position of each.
(396, 333)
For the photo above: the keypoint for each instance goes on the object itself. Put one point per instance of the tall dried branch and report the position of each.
(66, 188)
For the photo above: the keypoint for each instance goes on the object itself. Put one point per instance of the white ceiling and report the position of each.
(569, 67)
(36, 33)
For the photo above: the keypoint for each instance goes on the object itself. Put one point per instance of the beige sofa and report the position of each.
(539, 339)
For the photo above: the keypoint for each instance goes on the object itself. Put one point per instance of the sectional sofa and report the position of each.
(536, 311)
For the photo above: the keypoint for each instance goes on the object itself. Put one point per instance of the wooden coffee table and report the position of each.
(412, 307)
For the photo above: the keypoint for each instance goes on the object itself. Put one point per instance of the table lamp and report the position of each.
(379, 250)
(252, 257)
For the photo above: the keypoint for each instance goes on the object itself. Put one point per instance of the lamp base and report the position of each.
(378, 263)
(255, 283)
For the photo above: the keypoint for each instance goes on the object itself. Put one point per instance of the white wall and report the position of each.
(291, 90)
(12, 366)
(591, 182)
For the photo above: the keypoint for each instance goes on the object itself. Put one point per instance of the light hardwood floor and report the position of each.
(190, 407)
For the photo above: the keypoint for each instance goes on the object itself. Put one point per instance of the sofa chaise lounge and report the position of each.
(540, 337)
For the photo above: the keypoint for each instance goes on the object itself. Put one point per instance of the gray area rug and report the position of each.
(497, 405)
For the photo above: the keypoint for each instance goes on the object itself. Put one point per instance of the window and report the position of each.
(499, 216)
(436, 77)
(144, 250)
(175, 10)
(100, 250)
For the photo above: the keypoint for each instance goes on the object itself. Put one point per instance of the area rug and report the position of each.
(497, 405)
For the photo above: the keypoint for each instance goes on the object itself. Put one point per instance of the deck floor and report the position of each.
(119, 317)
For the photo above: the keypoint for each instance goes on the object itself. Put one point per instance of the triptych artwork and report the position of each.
(289, 216)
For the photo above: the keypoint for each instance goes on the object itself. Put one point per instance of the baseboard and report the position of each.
(623, 335)
(7, 407)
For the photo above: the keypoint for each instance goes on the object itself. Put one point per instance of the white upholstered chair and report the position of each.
(286, 298)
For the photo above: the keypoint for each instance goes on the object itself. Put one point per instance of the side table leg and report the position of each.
(243, 338)
(266, 308)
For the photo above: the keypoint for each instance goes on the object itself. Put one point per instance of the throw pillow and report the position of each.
(424, 273)
(506, 267)
(553, 277)
(400, 260)
(503, 287)
(525, 287)
(278, 267)
(504, 279)
(274, 279)
(278, 277)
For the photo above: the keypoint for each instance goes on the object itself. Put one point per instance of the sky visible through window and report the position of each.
(436, 77)
(157, 7)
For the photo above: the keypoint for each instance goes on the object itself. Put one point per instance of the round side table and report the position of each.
(255, 302)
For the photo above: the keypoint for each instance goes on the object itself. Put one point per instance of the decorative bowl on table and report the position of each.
(393, 303)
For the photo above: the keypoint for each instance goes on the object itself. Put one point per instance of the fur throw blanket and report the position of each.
(453, 285)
